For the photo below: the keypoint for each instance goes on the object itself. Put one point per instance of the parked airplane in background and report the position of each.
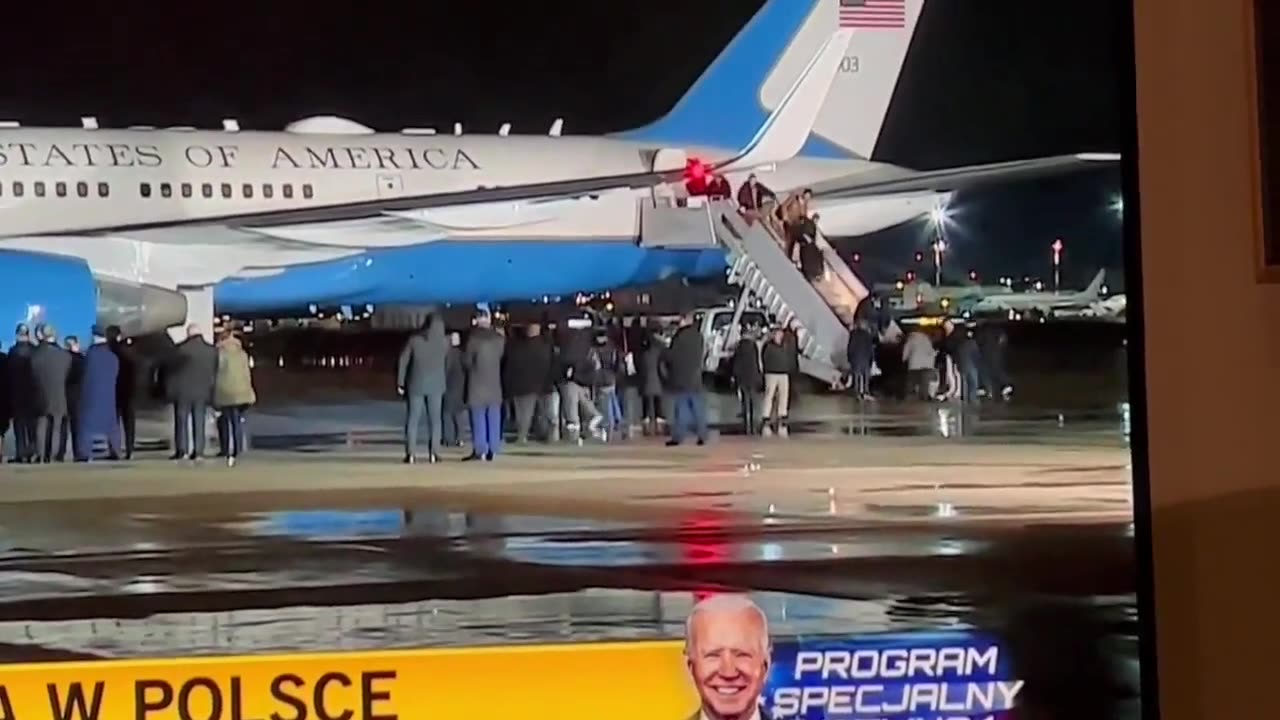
(1044, 304)
(1111, 309)
(927, 297)
(157, 227)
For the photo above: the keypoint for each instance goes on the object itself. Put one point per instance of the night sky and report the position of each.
(1016, 79)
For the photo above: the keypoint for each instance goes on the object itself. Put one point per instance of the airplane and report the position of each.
(157, 228)
(912, 296)
(1044, 304)
(1111, 309)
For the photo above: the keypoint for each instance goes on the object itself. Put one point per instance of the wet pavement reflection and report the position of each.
(406, 577)
(896, 519)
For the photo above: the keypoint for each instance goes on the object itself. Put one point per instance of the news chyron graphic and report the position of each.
(728, 668)
(740, 674)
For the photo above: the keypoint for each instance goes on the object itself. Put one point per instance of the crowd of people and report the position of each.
(552, 382)
(59, 397)
(963, 361)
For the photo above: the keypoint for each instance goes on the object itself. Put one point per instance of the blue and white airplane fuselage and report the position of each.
(329, 212)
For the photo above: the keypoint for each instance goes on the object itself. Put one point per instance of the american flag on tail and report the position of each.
(884, 14)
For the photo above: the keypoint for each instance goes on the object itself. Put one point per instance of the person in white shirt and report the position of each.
(727, 650)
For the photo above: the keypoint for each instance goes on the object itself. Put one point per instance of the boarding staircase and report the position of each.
(822, 311)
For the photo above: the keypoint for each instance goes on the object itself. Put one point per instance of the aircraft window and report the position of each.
(60, 189)
(247, 190)
(166, 190)
(207, 190)
(286, 190)
(39, 187)
(145, 189)
(18, 189)
(307, 191)
(186, 190)
(267, 190)
(226, 190)
(82, 189)
(104, 190)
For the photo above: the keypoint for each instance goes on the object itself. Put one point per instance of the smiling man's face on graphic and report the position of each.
(727, 650)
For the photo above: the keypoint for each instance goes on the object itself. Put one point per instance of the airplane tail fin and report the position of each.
(1095, 288)
(753, 74)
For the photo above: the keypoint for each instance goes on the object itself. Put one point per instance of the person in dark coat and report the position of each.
(190, 375)
(775, 361)
(812, 264)
(753, 195)
(719, 188)
(549, 402)
(421, 379)
(6, 402)
(22, 396)
(51, 369)
(607, 362)
(683, 363)
(630, 381)
(133, 385)
(454, 410)
(861, 352)
(993, 345)
(963, 351)
(482, 359)
(749, 378)
(528, 373)
(578, 371)
(96, 405)
(651, 385)
(69, 433)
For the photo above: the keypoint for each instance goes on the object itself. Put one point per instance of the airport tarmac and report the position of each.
(322, 539)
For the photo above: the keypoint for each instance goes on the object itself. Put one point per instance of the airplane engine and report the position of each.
(139, 309)
(37, 288)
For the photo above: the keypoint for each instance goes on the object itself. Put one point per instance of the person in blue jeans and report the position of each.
(482, 360)
(683, 363)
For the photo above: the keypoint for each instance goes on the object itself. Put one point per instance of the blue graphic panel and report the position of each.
(925, 676)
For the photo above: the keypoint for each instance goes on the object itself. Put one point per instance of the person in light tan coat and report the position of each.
(233, 393)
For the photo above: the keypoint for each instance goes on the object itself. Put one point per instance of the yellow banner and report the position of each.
(594, 681)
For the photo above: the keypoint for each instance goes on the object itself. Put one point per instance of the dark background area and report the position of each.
(984, 82)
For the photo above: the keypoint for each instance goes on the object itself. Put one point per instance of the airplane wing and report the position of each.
(889, 179)
(780, 138)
